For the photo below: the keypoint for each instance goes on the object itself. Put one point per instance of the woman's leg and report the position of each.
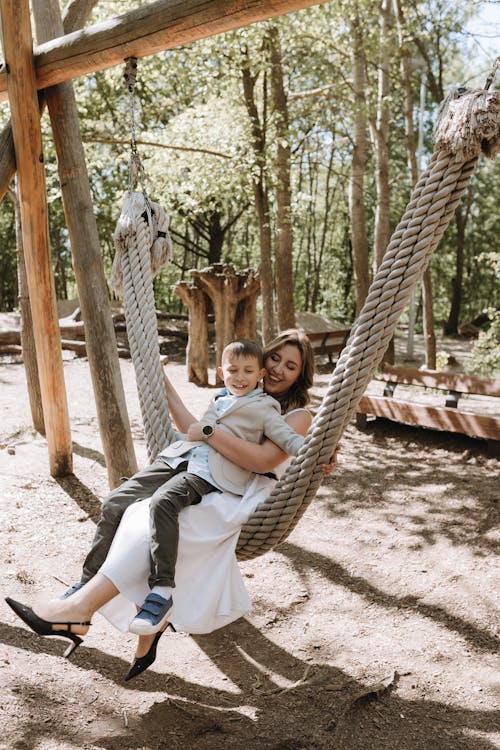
(81, 606)
(144, 643)
(141, 485)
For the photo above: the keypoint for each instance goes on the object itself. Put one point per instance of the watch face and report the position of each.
(207, 430)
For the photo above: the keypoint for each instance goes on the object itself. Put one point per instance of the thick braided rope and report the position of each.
(135, 238)
(429, 212)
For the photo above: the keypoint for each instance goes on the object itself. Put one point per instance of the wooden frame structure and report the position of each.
(27, 76)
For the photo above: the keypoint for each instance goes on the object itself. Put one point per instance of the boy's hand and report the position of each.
(194, 432)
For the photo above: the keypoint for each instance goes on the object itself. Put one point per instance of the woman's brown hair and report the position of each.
(298, 395)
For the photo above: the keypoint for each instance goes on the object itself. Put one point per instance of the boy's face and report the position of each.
(240, 374)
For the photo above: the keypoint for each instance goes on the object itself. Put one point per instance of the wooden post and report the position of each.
(21, 81)
(87, 263)
(76, 13)
(197, 346)
(26, 333)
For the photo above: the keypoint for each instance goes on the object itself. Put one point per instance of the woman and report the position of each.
(209, 590)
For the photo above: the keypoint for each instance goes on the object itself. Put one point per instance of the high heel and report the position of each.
(46, 628)
(141, 663)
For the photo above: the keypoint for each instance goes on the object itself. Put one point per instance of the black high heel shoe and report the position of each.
(141, 663)
(43, 627)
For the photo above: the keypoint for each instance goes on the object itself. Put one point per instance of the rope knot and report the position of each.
(468, 124)
(138, 214)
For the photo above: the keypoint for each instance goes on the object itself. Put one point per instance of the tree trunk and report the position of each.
(329, 198)
(261, 200)
(284, 263)
(381, 140)
(197, 347)
(380, 132)
(359, 237)
(461, 218)
(216, 238)
(428, 321)
(413, 170)
(87, 263)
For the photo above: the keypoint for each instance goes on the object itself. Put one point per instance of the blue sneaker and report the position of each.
(72, 590)
(152, 616)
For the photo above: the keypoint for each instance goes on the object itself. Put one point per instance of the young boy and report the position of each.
(196, 469)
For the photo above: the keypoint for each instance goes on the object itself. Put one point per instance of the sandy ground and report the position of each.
(374, 625)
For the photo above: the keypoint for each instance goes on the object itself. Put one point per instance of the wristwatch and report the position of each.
(207, 431)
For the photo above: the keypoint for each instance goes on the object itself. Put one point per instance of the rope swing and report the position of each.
(468, 124)
(142, 247)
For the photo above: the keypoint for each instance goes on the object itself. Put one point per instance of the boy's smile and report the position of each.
(241, 375)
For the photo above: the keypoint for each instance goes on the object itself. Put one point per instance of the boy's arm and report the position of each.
(181, 416)
(256, 457)
(277, 430)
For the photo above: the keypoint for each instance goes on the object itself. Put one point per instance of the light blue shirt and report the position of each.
(197, 457)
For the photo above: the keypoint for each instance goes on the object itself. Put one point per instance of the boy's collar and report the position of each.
(224, 392)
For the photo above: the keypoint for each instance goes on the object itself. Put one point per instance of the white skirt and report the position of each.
(209, 590)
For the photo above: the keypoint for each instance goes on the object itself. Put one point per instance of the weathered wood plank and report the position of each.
(447, 381)
(328, 341)
(437, 418)
(17, 44)
(147, 30)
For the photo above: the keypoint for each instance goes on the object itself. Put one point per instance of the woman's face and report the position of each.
(283, 368)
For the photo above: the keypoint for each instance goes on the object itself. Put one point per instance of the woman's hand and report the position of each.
(331, 465)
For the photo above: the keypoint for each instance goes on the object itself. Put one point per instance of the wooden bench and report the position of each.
(462, 410)
(329, 342)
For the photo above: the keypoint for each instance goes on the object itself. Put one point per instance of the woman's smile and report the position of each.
(283, 368)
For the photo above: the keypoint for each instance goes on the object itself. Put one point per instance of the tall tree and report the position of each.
(284, 264)
(413, 169)
(380, 138)
(359, 237)
(260, 190)
(434, 29)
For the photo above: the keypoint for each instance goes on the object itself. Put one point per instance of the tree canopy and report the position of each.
(250, 137)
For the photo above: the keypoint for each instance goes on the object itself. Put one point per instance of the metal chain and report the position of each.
(135, 164)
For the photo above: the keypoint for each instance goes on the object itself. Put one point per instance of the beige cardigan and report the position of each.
(250, 417)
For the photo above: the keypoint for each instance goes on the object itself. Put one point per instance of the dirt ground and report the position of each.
(374, 626)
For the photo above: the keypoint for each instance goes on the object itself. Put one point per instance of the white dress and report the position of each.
(209, 590)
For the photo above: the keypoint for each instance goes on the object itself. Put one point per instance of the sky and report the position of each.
(487, 26)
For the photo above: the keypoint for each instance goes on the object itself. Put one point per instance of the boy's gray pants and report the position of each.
(170, 491)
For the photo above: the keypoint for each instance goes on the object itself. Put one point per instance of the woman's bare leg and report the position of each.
(80, 606)
(143, 645)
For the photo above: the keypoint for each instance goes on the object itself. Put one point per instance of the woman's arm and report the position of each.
(256, 457)
(180, 414)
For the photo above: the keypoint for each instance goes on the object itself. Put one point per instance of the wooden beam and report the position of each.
(17, 45)
(147, 30)
(101, 348)
(75, 16)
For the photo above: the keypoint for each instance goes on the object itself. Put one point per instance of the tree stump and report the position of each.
(233, 295)
(197, 345)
